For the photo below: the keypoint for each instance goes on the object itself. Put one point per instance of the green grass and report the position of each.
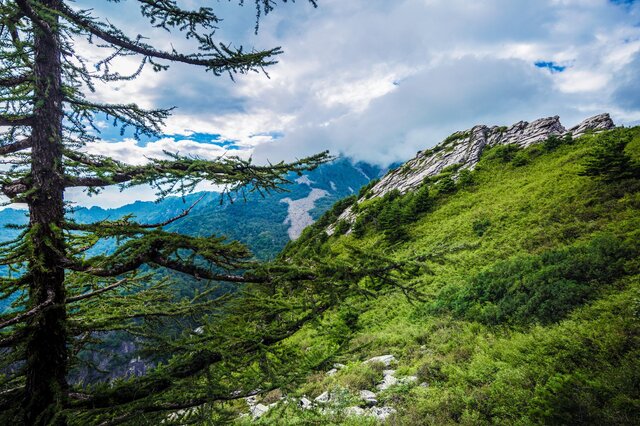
(531, 315)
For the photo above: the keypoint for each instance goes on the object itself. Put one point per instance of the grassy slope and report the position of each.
(579, 368)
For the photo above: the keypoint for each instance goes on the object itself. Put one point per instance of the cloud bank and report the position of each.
(378, 80)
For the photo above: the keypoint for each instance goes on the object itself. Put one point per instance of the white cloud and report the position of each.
(457, 63)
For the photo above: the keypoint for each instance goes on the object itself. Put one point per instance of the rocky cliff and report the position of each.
(465, 148)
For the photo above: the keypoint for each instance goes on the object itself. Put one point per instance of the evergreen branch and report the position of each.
(232, 171)
(148, 122)
(15, 147)
(26, 315)
(164, 377)
(16, 120)
(28, 11)
(96, 292)
(15, 80)
(223, 58)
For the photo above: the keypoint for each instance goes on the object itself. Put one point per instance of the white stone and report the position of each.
(382, 412)
(408, 379)
(305, 403)
(387, 360)
(324, 397)
(368, 397)
(388, 372)
(387, 382)
(258, 410)
(332, 372)
(339, 366)
(354, 411)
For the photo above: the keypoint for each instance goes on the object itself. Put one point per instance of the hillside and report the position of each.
(524, 307)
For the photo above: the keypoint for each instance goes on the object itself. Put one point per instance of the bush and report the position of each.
(466, 178)
(480, 226)
(503, 153)
(539, 288)
(608, 159)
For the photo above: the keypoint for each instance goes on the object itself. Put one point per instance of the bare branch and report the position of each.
(96, 292)
(14, 80)
(15, 147)
(25, 315)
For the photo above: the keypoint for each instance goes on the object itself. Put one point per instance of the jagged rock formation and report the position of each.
(464, 148)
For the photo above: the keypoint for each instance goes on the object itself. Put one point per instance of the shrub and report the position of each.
(466, 178)
(608, 159)
(503, 153)
(539, 288)
(341, 228)
(480, 226)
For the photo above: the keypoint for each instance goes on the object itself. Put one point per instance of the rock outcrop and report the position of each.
(464, 148)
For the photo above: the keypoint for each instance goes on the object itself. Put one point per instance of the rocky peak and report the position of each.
(464, 148)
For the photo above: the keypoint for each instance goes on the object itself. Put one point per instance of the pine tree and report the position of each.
(65, 295)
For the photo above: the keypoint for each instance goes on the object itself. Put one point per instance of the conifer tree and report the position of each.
(65, 294)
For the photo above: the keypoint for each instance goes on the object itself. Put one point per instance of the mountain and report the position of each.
(265, 224)
(463, 149)
(516, 297)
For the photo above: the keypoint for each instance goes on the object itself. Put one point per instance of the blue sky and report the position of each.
(378, 80)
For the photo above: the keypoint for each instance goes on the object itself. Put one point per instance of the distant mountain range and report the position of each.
(265, 224)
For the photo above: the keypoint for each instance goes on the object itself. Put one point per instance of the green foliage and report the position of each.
(503, 153)
(530, 313)
(609, 160)
(480, 226)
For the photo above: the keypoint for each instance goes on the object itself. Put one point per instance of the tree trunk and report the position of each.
(46, 367)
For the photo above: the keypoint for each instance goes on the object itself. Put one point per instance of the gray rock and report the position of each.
(305, 403)
(597, 123)
(388, 381)
(382, 413)
(387, 360)
(464, 148)
(354, 411)
(339, 366)
(332, 372)
(408, 379)
(368, 397)
(258, 410)
(388, 372)
(324, 397)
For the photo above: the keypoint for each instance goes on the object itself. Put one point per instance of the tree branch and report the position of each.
(15, 147)
(16, 120)
(14, 80)
(25, 315)
(96, 292)
(219, 63)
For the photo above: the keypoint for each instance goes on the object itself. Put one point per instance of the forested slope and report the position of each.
(525, 304)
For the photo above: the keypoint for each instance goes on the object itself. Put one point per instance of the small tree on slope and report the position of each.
(65, 295)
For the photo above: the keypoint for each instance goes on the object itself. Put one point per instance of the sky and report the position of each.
(377, 80)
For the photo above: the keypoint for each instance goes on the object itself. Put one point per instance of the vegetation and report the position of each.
(64, 295)
(527, 310)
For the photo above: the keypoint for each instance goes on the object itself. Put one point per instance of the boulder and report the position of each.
(323, 398)
(389, 380)
(387, 360)
(354, 411)
(368, 397)
(258, 410)
(382, 413)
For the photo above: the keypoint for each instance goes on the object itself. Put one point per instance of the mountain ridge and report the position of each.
(464, 148)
